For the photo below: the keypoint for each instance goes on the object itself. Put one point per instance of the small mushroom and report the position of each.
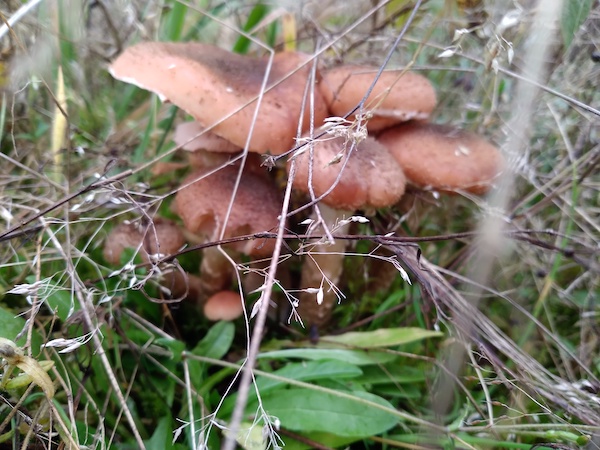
(221, 88)
(397, 96)
(443, 158)
(371, 178)
(162, 236)
(202, 205)
(224, 305)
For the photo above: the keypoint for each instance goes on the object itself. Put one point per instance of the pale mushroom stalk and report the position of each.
(216, 270)
(322, 269)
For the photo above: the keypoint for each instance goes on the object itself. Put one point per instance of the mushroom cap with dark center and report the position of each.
(203, 205)
(371, 179)
(443, 158)
(211, 83)
(397, 96)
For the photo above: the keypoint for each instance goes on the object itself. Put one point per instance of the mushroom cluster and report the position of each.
(362, 160)
(434, 157)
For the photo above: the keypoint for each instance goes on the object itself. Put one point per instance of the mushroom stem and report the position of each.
(183, 285)
(321, 271)
(216, 271)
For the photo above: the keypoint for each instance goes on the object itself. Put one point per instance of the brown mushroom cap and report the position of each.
(398, 96)
(224, 305)
(203, 204)
(191, 136)
(210, 83)
(164, 237)
(371, 178)
(443, 158)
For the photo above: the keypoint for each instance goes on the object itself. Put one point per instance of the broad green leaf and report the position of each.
(574, 14)
(176, 347)
(215, 344)
(391, 391)
(327, 440)
(356, 357)
(307, 410)
(162, 438)
(61, 302)
(11, 325)
(217, 341)
(398, 372)
(384, 337)
(309, 371)
(305, 371)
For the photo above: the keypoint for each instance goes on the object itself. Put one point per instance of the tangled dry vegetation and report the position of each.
(426, 320)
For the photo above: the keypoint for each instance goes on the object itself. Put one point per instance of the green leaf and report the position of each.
(33, 370)
(356, 357)
(398, 372)
(256, 15)
(217, 341)
(307, 410)
(215, 344)
(11, 325)
(327, 440)
(175, 346)
(384, 337)
(162, 438)
(393, 391)
(305, 371)
(173, 26)
(61, 303)
(574, 14)
(437, 441)
(25, 379)
(308, 371)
